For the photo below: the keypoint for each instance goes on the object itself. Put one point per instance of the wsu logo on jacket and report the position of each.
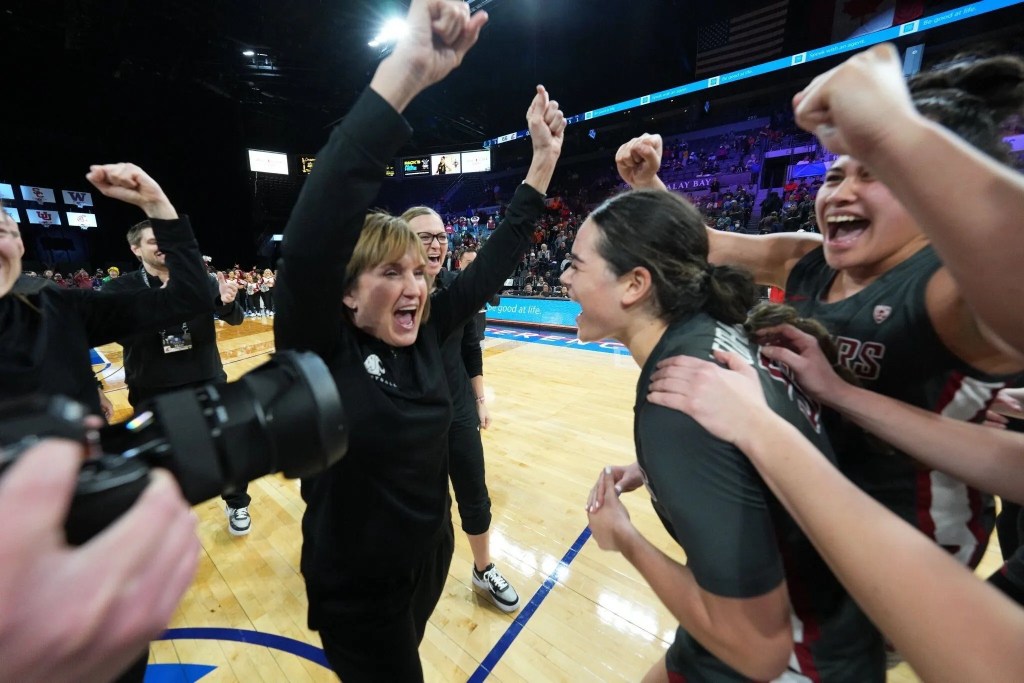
(373, 365)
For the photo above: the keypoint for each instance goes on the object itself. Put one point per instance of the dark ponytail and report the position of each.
(666, 235)
(731, 293)
(769, 315)
(972, 95)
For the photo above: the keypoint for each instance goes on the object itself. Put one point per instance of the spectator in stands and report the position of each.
(82, 280)
(267, 282)
(771, 203)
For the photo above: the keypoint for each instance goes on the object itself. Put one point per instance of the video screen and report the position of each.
(478, 161)
(416, 166)
(443, 164)
(268, 162)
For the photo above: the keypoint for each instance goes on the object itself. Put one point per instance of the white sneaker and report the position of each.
(496, 588)
(239, 522)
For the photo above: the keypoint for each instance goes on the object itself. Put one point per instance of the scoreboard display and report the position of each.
(416, 166)
(455, 163)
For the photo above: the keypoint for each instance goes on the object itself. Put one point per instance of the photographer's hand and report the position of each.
(85, 613)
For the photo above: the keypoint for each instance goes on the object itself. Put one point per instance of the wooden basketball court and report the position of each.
(560, 413)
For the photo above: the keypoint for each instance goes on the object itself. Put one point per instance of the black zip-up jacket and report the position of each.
(463, 359)
(386, 503)
(46, 332)
(146, 364)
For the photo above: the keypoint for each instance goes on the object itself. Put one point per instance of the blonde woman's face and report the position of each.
(388, 300)
(430, 230)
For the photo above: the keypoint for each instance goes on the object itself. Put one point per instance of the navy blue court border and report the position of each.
(506, 640)
(237, 635)
(950, 16)
(316, 655)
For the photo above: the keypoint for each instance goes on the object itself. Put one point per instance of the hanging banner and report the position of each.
(42, 195)
(43, 217)
(13, 213)
(82, 220)
(78, 199)
(6, 191)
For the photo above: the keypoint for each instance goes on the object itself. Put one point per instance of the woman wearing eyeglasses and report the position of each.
(464, 367)
(377, 535)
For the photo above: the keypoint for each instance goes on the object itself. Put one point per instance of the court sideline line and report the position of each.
(515, 628)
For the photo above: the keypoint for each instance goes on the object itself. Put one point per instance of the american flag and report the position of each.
(744, 40)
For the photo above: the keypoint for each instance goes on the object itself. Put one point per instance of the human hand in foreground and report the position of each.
(638, 162)
(722, 399)
(625, 478)
(609, 523)
(859, 104)
(547, 124)
(440, 33)
(228, 289)
(129, 183)
(85, 613)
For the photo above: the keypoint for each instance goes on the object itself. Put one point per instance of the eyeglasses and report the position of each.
(428, 237)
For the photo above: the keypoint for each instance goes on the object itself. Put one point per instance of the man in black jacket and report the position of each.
(178, 356)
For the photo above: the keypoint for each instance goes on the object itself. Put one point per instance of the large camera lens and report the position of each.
(285, 416)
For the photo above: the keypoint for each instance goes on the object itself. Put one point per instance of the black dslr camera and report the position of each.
(286, 416)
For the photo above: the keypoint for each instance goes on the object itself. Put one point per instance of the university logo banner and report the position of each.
(43, 217)
(13, 213)
(6, 191)
(42, 195)
(78, 199)
(82, 220)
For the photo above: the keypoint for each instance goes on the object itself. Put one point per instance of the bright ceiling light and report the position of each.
(392, 30)
(248, 53)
